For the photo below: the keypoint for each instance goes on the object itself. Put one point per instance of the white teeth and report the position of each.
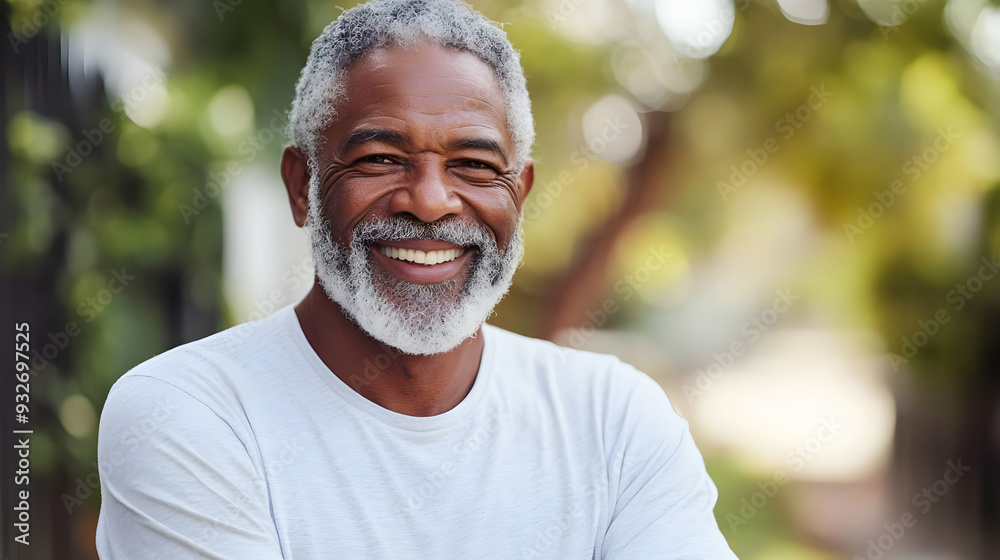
(428, 258)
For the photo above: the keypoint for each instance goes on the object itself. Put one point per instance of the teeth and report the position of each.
(427, 258)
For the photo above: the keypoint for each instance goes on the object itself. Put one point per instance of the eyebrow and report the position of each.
(481, 144)
(365, 135)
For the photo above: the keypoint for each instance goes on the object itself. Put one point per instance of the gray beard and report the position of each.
(419, 319)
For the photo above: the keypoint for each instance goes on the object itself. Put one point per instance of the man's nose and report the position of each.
(429, 194)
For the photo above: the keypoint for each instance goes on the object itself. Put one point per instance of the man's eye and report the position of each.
(478, 165)
(377, 159)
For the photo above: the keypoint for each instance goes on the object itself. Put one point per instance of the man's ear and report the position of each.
(525, 181)
(295, 174)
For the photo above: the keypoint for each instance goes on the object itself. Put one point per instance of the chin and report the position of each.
(414, 318)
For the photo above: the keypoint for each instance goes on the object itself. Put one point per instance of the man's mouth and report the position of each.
(426, 258)
(423, 261)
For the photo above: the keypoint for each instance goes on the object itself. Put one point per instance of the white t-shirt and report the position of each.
(245, 446)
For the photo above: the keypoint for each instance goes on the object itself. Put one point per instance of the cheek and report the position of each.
(350, 201)
(498, 211)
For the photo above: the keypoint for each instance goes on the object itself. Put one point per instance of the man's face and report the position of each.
(415, 200)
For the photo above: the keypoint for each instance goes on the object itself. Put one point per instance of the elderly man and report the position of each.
(380, 417)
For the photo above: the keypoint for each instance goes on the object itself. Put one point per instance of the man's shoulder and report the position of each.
(222, 359)
(584, 387)
(545, 361)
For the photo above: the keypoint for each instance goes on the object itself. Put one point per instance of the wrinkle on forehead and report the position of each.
(453, 89)
(430, 65)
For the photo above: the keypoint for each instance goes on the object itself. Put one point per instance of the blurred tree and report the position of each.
(98, 260)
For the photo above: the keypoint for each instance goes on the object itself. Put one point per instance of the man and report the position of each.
(381, 418)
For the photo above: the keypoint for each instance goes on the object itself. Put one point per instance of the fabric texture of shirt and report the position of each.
(245, 445)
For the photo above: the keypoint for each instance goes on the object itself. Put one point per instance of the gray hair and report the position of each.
(381, 23)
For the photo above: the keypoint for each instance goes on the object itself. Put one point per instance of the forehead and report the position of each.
(423, 86)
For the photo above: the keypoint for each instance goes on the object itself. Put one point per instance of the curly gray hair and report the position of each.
(380, 23)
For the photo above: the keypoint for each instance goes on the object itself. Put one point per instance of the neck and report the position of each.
(403, 383)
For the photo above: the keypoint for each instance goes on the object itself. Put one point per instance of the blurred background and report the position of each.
(786, 212)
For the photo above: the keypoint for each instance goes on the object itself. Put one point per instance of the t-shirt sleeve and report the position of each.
(176, 480)
(664, 496)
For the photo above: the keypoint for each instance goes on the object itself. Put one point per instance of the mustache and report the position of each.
(452, 230)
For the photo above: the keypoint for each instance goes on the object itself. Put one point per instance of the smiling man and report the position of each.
(381, 417)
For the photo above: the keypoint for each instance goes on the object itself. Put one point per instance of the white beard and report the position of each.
(418, 319)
